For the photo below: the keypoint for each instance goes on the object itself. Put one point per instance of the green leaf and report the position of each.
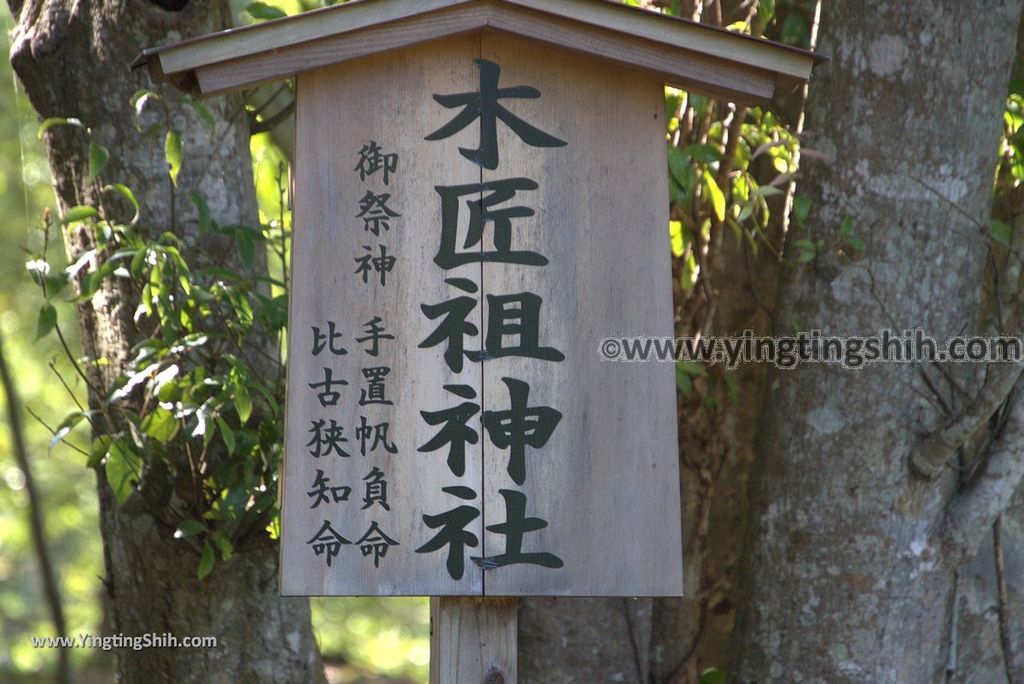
(98, 158)
(202, 111)
(680, 168)
(1000, 231)
(263, 11)
(767, 191)
(246, 248)
(712, 675)
(98, 450)
(227, 433)
(715, 194)
(57, 121)
(161, 425)
(223, 545)
(79, 213)
(66, 426)
(794, 30)
(243, 403)
(172, 151)
(139, 99)
(122, 468)
(206, 561)
(691, 368)
(127, 193)
(47, 320)
(94, 280)
(189, 528)
(703, 153)
(683, 381)
(801, 208)
(676, 238)
(202, 211)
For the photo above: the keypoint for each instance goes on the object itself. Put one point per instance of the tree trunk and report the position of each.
(853, 557)
(571, 640)
(73, 59)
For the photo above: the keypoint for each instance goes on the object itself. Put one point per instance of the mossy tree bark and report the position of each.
(854, 554)
(73, 60)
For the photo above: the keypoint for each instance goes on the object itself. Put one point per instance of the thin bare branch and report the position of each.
(35, 512)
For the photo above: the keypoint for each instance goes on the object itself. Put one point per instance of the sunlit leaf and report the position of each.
(243, 404)
(715, 194)
(66, 426)
(161, 425)
(79, 213)
(122, 466)
(263, 11)
(675, 232)
(57, 121)
(172, 151)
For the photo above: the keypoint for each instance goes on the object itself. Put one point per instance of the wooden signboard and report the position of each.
(472, 219)
(480, 198)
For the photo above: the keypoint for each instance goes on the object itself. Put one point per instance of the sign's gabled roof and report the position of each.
(687, 54)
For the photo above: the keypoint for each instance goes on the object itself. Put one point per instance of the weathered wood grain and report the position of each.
(384, 98)
(686, 54)
(607, 480)
(473, 641)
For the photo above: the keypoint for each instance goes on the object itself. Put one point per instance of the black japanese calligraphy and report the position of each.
(377, 435)
(483, 211)
(374, 391)
(454, 326)
(321, 490)
(455, 432)
(519, 427)
(381, 264)
(485, 105)
(328, 340)
(376, 490)
(372, 159)
(514, 528)
(327, 541)
(376, 213)
(328, 396)
(374, 333)
(375, 542)
(327, 439)
(453, 533)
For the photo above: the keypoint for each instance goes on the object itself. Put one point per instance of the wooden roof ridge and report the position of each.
(686, 53)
